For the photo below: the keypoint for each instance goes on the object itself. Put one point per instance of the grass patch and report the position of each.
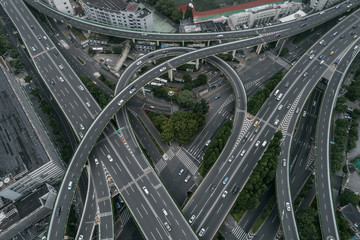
(237, 215)
(80, 60)
(264, 214)
(78, 34)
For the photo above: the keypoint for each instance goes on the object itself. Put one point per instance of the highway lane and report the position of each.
(87, 221)
(173, 62)
(339, 43)
(131, 33)
(323, 183)
(65, 195)
(292, 96)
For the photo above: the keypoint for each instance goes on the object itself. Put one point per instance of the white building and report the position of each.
(62, 5)
(118, 13)
(321, 4)
(262, 15)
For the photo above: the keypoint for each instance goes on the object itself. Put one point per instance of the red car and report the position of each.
(277, 35)
(151, 107)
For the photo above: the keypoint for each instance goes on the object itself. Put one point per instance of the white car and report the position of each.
(82, 127)
(187, 178)
(257, 143)
(288, 206)
(202, 232)
(207, 143)
(110, 158)
(242, 153)
(81, 135)
(231, 159)
(162, 69)
(81, 87)
(88, 104)
(61, 67)
(81, 237)
(145, 190)
(96, 161)
(167, 225)
(312, 56)
(224, 194)
(297, 110)
(284, 162)
(132, 90)
(61, 79)
(138, 63)
(322, 62)
(164, 211)
(276, 122)
(280, 107)
(120, 102)
(192, 219)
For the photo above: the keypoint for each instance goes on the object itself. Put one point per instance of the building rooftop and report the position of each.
(352, 215)
(131, 7)
(20, 151)
(112, 5)
(17, 216)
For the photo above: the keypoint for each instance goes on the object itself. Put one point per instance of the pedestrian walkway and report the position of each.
(188, 163)
(124, 216)
(160, 165)
(169, 154)
(240, 234)
(123, 57)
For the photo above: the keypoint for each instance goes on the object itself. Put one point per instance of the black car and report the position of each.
(235, 189)
(212, 188)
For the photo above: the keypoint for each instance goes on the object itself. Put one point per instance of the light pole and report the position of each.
(171, 94)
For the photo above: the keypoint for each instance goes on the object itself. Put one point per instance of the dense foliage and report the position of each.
(261, 177)
(337, 150)
(308, 224)
(101, 98)
(257, 100)
(348, 196)
(167, 8)
(200, 80)
(215, 147)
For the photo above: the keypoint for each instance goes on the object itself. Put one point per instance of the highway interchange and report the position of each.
(267, 116)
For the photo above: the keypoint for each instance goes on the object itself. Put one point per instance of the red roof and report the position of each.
(225, 9)
(132, 6)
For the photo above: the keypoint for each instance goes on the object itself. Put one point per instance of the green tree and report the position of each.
(189, 13)
(27, 78)
(167, 133)
(187, 77)
(186, 98)
(14, 53)
(91, 51)
(308, 224)
(348, 196)
(340, 106)
(117, 49)
(201, 107)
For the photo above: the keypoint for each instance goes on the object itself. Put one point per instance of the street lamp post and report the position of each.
(171, 94)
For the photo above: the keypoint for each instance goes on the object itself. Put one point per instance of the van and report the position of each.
(305, 74)
(276, 92)
(279, 97)
(264, 143)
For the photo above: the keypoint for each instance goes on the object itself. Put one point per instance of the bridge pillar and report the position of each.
(278, 42)
(208, 43)
(157, 43)
(233, 54)
(69, 25)
(258, 49)
(171, 74)
(143, 91)
(281, 48)
(183, 43)
(154, 61)
(133, 40)
(197, 64)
